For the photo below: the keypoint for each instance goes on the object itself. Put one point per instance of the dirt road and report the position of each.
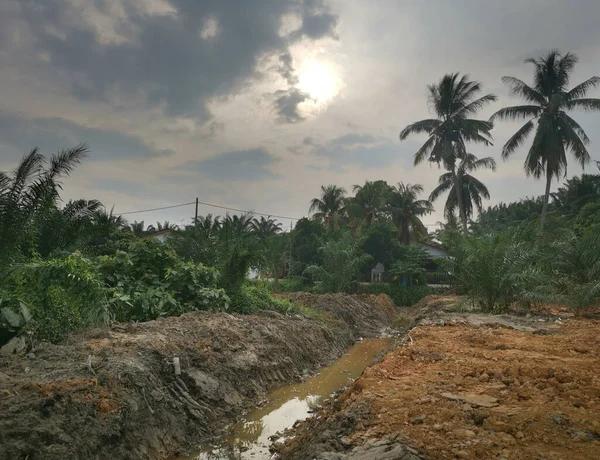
(471, 387)
(114, 393)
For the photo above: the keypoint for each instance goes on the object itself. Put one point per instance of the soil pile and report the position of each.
(114, 394)
(473, 387)
(354, 310)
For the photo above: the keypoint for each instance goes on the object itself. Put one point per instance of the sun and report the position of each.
(318, 80)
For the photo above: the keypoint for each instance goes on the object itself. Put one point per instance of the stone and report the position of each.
(16, 345)
(418, 419)
(472, 399)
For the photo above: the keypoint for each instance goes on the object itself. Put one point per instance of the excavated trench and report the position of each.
(251, 437)
(114, 393)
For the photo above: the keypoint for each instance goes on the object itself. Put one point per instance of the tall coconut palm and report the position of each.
(368, 204)
(556, 133)
(407, 210)
(454, 99)
(28, 194)
(473, 190)
(265, 228)
(329, 208)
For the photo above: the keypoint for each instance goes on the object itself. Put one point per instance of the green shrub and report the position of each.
(401, 296)
(62, 294)
(150, 281)
(296, 284)
(252, 298)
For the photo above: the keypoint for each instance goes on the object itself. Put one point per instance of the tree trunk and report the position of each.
(546, 199)
(461, 207)
(405, 233)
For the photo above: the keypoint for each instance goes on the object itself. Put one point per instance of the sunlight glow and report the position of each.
(318, 80)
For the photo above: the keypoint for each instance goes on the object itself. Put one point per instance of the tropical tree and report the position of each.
(330, 207)
(138, 228)
(454, 99)
(368, 204)
(265, 228)
(556, 133)
(406, 210)
(166, 225)
(28, 194)
(473, 190)
(66, 228)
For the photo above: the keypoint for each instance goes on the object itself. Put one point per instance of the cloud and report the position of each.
(19, 134)
(240, 165)
(362, 150)
(165, 53)
(286, 104)
(350, 139)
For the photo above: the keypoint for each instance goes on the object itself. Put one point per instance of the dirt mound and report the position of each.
(474, 390)
(114, 394)
(355, 310)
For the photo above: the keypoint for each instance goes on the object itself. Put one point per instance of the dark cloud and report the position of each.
(240, 165)
(350, 139)
(19, 134)
(308, 141)
(103, 49)
(286, 104)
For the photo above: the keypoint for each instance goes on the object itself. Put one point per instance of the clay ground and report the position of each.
(113, 393)
(472, 387)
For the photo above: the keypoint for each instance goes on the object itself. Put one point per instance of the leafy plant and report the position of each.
(342, 260)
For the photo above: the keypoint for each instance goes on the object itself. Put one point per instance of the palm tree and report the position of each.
(407, 211)
(548, 101)
(453, 100)
(368, 203)
(137, 228)
(28, 194)
(330, 207)
(473, 190)
(265, 227)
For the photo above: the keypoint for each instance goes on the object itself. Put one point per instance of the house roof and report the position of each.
(434, 251)
(164, 231)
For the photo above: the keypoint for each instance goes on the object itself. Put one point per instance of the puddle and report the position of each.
(249, 438)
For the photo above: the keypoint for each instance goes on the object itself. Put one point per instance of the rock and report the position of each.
(31, 355)
(437, 427)
(472, 399)
(16, 345)
(559, 419)
(418, 419)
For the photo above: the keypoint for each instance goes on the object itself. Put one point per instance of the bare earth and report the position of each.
(472, 387)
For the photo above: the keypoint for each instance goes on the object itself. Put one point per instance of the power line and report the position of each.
(223, 207)
(211, 205)
(157, 209)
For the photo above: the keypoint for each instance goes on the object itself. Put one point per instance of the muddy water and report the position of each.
(249, 438)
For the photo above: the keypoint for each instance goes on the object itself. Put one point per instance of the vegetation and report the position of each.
(453, 99)
(64, 266)
(556, 133)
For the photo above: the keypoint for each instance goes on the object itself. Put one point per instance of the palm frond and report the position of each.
(587, 105)
(520, 89)
(517, 139)
(423, 126)
(582, 89)
(519, 112)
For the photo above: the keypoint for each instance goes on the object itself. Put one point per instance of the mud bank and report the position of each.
(114, 394)
(468, 386)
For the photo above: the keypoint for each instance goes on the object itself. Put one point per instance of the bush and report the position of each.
(150, 280)
(62, 295)
(253, 298)
(401, 296)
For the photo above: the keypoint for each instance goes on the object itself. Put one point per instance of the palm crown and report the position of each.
(473, 190)
(330, 206)
(556, 133)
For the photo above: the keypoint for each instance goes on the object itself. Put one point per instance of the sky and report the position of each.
(254, 104)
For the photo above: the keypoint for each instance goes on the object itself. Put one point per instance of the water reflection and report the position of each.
(249, 438)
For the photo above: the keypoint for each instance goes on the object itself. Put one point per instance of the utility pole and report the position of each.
(196, 215)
